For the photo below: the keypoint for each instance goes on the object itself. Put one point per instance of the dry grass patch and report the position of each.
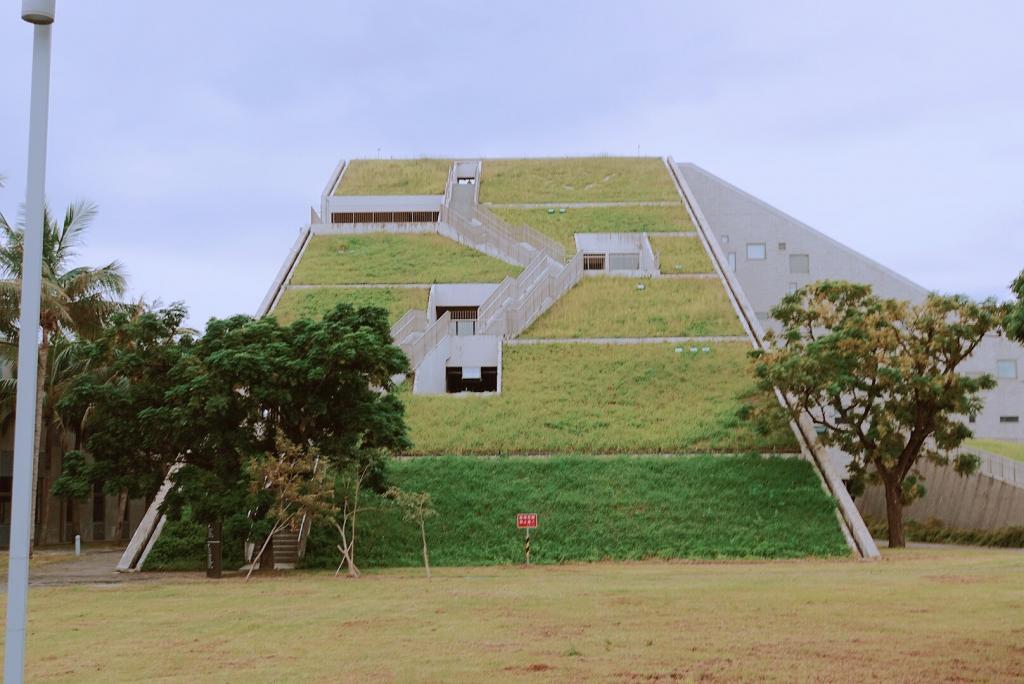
(394, 258)
(588, 398)
(602, 306)
(899, 619)
(576, 179)
(314, 303)
(563, 226)
(681, 255)
(394, 177)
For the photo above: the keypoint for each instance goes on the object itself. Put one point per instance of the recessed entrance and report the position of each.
(470, 379)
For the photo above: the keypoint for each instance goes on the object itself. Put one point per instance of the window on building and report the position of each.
(731, 258)
(1006, 369)
(799, 263)
(972, 419)
(782, 246)
(593, 262)
(1009, 419)
(757, 251)
(465, 327)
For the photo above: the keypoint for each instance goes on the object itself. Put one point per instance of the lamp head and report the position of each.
(38, 11)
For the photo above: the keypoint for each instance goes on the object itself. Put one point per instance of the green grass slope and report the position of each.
(597, 509)
(1000, 447)
(576, 179)
(603, 306)
(313, 303)
(379, 258)
(563, 226)
(588, 398)
(681, 255)
(394, 177)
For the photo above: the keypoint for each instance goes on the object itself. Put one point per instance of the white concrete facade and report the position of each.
(772, 254)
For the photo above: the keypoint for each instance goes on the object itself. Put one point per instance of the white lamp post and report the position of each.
(41, 14)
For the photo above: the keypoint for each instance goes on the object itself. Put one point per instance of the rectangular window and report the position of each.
(1009, 419)
(1006, 369)
(782, 246)
(465, 327)
(471, 379)
(593, 262)
(756, 251)
(731, 258)
(799, 263)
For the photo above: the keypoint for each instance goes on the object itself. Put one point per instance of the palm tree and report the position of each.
(76, 301)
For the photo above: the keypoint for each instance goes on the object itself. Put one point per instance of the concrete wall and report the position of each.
(346, 203)
(429, 378)
(461, 294)
(738, 219)
(977, 501)
(619, 243)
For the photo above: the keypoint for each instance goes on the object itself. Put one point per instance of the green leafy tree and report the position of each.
(1014, 322)
(122, 373)
(76, 301)
(881, 378)
(322, 383)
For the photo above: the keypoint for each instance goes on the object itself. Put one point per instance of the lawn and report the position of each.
(576, 179)
(394, 177)
(589, 398)
(681, 255)
(919, 615)
(563, 226)
(1014, 450)
(314, 303)
(394, 258)
(593, 509)
(614, 307)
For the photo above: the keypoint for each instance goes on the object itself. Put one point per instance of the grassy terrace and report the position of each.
(613, 307)
(394, 177)
(562, 227)
(314, 303)
(580, 179)
(1014, 450)
(584, 398)
(681, 255)
(950, 614)
(595, 509)
(387, 258)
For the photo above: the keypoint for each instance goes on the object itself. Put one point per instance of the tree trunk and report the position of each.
(44, 510)
(426, 556)
(122, 505)
(894, 514)
(44, 352)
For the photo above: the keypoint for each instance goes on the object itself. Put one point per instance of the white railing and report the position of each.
(542, 295)
(521, 233)
(482, 237)
(415, 320)
(432, 336)
(998, 467)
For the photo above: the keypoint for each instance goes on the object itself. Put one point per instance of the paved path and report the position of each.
(580, 205)
(629, 340)
(59, 568)
(688, 276)
(411, 286)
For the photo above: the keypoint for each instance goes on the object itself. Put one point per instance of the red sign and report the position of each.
(526, 520)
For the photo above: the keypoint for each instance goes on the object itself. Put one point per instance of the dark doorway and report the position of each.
(471, 379)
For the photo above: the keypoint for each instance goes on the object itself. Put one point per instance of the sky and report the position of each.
(205, 131)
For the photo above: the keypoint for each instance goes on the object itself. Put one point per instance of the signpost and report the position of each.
(526, 521)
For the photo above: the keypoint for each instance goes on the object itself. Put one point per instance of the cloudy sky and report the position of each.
(205, 130)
